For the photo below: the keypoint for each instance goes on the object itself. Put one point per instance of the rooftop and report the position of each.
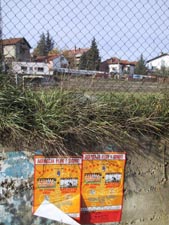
(47, 58)
(77, 51)
(14, 41)
(157, 57)
(116, 60)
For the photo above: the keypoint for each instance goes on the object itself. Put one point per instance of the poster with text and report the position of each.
(58, 180)
(102, 187)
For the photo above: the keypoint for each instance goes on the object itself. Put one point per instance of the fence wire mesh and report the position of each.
(126, 39)
(120, 41)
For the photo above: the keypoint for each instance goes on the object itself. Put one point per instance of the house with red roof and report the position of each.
(116, 66)
(76, 54)
(16, 49)
(120, 66)
(42, 65)
(53, 61)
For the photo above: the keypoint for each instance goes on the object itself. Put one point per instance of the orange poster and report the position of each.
(58, 180)
(102, 187)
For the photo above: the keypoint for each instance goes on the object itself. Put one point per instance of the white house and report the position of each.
(32, 68)
(158, 62)
(118, 66)
(43, 65)
(53, 61)
(57, 61)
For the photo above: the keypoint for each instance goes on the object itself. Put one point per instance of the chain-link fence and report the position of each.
(122, 39)
(97, 45)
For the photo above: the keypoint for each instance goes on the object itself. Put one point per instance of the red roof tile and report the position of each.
(51, 57)
(14, 41)
(77, 51)
(115, 60)
(46, 58)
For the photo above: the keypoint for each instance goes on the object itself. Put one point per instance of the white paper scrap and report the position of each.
(50, 211)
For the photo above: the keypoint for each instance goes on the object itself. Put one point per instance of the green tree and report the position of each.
(91, 59)
(49, 43)
(164, 71)
(40, 50)
(140, 66)
(44, 46)
(83, 61)
(54, 51)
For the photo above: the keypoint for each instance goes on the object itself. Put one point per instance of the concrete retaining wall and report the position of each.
(146, 188)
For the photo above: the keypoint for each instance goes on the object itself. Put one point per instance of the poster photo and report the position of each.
(57, 180)
(102, 187)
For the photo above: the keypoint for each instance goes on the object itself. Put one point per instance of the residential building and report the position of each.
(15, 49)
(54, 61)
(57, 61)
(31, 68)
(74, 55)
(159, 62)
(43, 65)
(121, 67)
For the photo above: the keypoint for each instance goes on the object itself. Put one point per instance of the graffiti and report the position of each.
(16, 185)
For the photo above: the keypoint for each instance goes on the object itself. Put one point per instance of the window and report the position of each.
(40, 69)
(24, 68)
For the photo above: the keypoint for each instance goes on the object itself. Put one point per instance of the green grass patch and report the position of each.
(59, 121)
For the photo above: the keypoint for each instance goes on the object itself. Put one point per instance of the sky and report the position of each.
(122, 28)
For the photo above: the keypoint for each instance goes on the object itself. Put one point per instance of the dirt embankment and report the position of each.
(146, 198)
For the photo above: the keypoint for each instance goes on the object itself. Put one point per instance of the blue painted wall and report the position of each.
(16, 189)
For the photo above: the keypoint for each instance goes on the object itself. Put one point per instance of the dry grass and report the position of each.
(63, 121)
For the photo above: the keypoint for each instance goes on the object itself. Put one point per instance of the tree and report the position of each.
(140, 66)
(40, 50)
(44, 46)
(70, 58)
(54, 51)
(49, 43)
(83, 61)
(91, 59)
(164, 71)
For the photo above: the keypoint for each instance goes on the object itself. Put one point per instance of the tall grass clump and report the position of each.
(60, 122)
